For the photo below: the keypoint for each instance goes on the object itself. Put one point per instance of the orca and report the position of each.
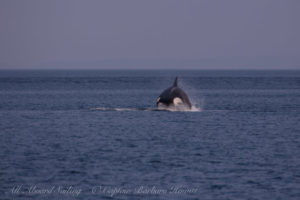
(173, 97)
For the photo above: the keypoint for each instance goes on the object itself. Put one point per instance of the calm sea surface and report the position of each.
(96, 135)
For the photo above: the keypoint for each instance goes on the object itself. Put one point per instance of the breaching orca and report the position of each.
(173, 96)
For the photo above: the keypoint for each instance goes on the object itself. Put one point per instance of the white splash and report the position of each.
(179, 108)
(160, 108)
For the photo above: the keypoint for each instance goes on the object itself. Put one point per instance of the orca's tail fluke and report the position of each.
(175, 84)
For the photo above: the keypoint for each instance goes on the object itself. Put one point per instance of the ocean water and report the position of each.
(97, 135)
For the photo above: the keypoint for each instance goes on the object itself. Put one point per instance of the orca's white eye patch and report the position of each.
(177, 101)
(158, 99)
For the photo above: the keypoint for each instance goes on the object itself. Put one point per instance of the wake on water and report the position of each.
(169, 108)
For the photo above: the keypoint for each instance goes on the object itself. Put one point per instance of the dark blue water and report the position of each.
(95, 135)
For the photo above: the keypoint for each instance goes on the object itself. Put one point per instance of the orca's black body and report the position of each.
(174, 96)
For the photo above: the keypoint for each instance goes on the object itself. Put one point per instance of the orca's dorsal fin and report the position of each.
(175, 82)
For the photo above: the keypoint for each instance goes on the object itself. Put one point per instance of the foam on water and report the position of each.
(179, 108)
(114, 109)
(169, 108)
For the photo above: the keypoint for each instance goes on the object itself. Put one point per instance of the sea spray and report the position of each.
(196, 98)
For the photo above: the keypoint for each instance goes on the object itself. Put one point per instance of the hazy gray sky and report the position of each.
(199, 34)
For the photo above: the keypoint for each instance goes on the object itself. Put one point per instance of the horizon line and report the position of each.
(150, 69)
